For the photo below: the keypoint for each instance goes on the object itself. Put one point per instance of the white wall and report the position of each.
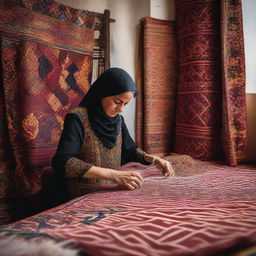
(249, 22)
(124, 41)
(249, 26)
(162, 9)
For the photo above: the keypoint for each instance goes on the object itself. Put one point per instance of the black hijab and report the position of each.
(111, 82)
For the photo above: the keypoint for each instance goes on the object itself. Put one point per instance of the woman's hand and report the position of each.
(164, 166)
(130, 179)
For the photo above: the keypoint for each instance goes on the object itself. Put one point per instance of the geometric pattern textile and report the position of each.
(234, 134)
(46, 66)
(198, 114)
(156, 81)
(211, 103)
(206, 209)
(53, 9)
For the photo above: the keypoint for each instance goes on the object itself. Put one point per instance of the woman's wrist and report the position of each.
(96, 172)
(154, 160)
(150, 158)
(112, 174)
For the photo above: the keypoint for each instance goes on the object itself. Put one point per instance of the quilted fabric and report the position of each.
(206, 209)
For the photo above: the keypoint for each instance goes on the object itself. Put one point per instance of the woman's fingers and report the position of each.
(128, 185)
(131, 179)
(168, 170)
(165, 167)
(132, 185)
(137, 181)
(138, 178)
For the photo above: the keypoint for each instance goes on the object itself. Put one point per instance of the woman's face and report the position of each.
(114, 105)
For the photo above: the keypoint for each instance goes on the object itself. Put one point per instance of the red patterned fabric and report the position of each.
(204, 210)
(157, 86)
(198, 116)
(53, 9)
(233, 79)
(211, 114)
(46, 66)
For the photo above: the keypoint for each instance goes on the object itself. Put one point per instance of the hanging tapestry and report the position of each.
(198, 119)
(211, 114)
(46, 66)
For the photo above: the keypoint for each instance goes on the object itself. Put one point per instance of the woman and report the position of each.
(95, 140)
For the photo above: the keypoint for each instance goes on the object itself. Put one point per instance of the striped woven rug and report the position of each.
(157, 87)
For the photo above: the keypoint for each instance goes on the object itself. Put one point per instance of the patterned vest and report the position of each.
(95, 153)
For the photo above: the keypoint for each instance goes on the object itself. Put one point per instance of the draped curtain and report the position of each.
(233, 82)
(210, 109)
(46, 65)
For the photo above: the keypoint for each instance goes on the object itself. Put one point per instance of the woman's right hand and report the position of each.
(131, 179)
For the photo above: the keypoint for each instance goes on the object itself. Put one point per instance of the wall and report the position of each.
(249, 22)
(124, 43)
(162, 9)
(251, 121)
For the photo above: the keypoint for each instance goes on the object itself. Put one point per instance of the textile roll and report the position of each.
(199, 113)
(157, 87)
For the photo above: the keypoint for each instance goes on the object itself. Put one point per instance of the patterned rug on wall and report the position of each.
(211, 99)
(157, 86)
(46, 65)
(206, 209)
(199, 113)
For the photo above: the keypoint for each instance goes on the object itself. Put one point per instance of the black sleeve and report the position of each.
(67, 155)
(69, 146)
(70, 141)
(130, 151)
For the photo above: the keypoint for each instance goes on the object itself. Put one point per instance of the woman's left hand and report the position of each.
(164, 166)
